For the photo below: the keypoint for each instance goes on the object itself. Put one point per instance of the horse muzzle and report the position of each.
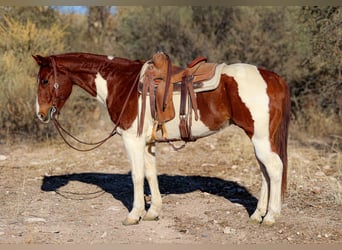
(46, 118)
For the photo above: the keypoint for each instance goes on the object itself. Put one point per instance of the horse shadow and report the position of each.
(120, 186)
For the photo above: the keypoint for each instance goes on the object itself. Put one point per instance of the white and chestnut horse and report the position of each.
(254, 99)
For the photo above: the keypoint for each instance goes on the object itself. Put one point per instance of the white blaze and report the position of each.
(110, 57)
(101, 88)
(37, 106)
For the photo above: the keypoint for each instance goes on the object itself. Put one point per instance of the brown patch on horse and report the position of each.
(277, 90)
(222, 104)
(119, 88)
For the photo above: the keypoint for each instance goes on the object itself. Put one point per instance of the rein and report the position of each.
(62, 130)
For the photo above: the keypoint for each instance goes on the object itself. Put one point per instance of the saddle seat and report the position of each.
(198, 69)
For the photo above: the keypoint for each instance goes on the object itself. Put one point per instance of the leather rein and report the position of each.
(62, 130)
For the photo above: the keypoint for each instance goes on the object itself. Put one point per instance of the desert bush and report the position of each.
(18, 72)
(316, 94)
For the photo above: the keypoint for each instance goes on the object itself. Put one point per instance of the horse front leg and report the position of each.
(135, 149)
(151, 176)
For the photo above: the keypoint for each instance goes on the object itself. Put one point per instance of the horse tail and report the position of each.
(281, 135)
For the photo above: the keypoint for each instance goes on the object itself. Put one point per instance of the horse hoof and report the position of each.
(268, 223)
(150, 218)
(129, 221)
(254, 221)
(151, 215)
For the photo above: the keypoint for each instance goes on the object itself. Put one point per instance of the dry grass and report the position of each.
(18, 71)
(315, 167)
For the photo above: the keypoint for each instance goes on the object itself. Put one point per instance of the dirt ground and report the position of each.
(53, 194)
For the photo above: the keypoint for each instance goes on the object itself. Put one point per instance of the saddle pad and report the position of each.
(198, 87)
(210, 84)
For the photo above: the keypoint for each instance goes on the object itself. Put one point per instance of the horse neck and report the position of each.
(83, 69)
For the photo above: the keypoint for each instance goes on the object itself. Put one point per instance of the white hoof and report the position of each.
(151, 216)
(130, 221)
(257, 217)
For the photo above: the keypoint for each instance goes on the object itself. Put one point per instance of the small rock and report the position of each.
(2, 233)
(3, 157)
(113, 208)
(235, 166)
(229, 230)
(326, 168)
(316, 190)
(320, 173)
(35, 220)
(208, 165)
(333, 179)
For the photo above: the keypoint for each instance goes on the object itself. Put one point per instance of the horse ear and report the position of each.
(41, 61)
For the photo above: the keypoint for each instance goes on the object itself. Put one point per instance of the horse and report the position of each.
(255, 99)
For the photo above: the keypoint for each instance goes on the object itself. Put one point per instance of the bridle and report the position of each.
(62, 130)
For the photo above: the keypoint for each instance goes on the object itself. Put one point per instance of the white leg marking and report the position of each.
(137, 153)
(101, 88)
(262, 203)
(252, 90)
(151, 176)
(135, 149)
(274, 167)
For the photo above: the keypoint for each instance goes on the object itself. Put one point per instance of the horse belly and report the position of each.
(198, 128)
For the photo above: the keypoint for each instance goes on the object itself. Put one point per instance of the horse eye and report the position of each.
(45, 82)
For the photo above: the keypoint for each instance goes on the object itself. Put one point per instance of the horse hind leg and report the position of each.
(271, 185)
(151, 176)
(261, 209)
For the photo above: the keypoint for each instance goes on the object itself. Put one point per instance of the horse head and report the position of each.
(52, 93)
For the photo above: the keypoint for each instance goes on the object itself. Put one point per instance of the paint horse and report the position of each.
(254, 99)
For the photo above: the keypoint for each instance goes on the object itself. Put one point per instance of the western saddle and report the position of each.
(160, 80)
